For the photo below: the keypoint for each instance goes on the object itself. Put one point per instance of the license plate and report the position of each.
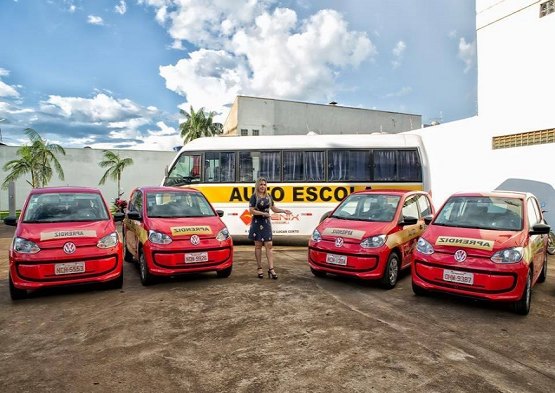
(458, 277)
(196, 257)
(336, 259)
(69, 268)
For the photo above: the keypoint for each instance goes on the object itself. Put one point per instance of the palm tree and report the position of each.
(198, 124)
(115, 165)
(44, 153)
(35, 160)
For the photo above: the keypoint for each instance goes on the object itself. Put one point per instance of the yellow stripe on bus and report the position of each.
(294, 193)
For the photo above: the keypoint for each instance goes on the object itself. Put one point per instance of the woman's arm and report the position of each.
(255, 212)
(278, 210)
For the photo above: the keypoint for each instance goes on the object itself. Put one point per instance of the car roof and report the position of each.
(148, 189)
(65, 189)
(495, 193)
(388, 192)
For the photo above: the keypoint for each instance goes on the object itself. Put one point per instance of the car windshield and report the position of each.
(368, 207)
(482, 213)
(60, 207)
(177, 204)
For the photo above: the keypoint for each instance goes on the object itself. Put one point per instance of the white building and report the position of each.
(265, 116)
(510, 144)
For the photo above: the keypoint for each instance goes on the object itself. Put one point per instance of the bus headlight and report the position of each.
(316, 237)
(25, 246)
(424, 247)
(158, 238)
(508, 255)
(373, 241)
(222, 235)
(108, 241)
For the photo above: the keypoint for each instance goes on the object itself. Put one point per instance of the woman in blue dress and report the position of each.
(261, 226)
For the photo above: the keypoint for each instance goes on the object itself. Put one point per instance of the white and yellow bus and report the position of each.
(307, 174)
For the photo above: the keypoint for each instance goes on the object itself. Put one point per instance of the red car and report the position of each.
(172, 231)
(489, 246)
(370, 235)
(64, 236)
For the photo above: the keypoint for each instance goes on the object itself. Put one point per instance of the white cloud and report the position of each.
(164, 138)
(101, 108)
(121, 8)
(467, 53)
(398, 53)
(5, 89)
(95, 20)
(274, 56)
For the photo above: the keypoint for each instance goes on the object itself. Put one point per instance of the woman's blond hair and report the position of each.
(258, 181)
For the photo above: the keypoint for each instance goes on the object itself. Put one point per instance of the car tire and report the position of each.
(391, 272)
(522, 306)
(117, 283)
(16, 293)
(543, 275)
(419, 291)
(145, 275)
(318, 273)
(224, 273)
(127, 256)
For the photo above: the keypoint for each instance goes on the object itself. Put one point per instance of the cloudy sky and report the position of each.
(114, 73)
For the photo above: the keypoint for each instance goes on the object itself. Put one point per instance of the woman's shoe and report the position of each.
(272, 274)
(260, 273)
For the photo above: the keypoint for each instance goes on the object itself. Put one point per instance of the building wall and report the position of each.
(515, 58)
(279, 117)
(81, 169)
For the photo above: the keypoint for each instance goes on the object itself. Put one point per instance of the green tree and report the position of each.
(115, 166)
(198, 124)
(36, 160)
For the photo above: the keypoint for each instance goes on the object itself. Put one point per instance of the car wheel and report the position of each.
(522, 306)
(551, 243)
(543, 274)
(318, 273)
(224, 273)
(16, 293)
(117, 283)
(146, 277)
(391, 273)
(127, 256)
(419, 291)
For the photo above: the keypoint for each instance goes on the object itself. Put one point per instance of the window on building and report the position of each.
(255, 132)
(523, 139)
(547, 8)
(244, 132)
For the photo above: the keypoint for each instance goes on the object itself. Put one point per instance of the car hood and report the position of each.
(80, 233)
(205, 227)
(352, 230)
(474, 241)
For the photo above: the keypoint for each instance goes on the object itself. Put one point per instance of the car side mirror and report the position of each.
(220, 213)
(119, 216)
(325, 215)
(11, 221)
(540, 229)
(408, 220)
(428, 219)
(134, 216)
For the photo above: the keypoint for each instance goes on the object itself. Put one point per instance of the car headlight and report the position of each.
(222, 235)
(423, 247)
(508, 255)
(108, 241)
(158, 238)
(25, 246)
(373, 241)
(316, 237)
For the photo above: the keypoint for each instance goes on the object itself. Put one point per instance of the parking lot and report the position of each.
(297, 333)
